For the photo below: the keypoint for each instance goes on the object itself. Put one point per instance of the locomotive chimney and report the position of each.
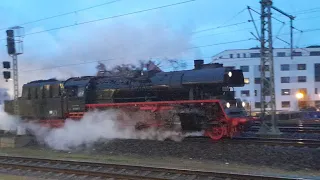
(198, 63)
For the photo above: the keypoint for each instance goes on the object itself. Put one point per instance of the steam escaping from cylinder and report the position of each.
(97, 126)
(8, 123)
(94, 127)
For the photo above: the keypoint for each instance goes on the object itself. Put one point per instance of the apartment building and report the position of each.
(297, 80)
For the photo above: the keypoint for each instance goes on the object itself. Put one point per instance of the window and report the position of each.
(244, 68)
(296, 54)
(257, 80)
(238, 55)
(254, 55)
(245, 93)
(302, 79)
(246, 80)
(301, 66)
(317, 72)
(316, 90)
(285, 79)
(281, 54)
(257, 105)
(285, 67)
(231, 55)
(315, 53)
(244, 55)
(285, 104)
(255, 93)
(285, 92)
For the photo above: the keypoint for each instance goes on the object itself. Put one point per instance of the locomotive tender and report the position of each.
(198, 99)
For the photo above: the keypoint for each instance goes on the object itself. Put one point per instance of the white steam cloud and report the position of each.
(113, 43)
(93, 127)
(7, 123)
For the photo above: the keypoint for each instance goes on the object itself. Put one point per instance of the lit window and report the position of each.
(246, 80)
(301, 66)
(285, 92)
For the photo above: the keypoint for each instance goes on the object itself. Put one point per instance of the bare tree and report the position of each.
(128, 70)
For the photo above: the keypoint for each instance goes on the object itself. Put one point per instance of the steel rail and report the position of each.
(281, 141)
(117, 171)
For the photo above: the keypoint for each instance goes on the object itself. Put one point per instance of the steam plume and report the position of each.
(113, 44)
(93, 127)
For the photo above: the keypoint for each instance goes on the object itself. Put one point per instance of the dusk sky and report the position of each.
(163, 33)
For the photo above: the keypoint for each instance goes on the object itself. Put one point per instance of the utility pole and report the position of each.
(266, 52)
(15, 48)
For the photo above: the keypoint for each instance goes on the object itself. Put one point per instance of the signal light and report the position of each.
(6, 75)
(6, 64)
(10, 42)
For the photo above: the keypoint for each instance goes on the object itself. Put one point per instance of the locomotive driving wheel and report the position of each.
(216, 132)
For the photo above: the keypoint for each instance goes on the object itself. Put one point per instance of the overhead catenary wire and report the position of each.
(111, 59)
(64, 14)
(111, 17)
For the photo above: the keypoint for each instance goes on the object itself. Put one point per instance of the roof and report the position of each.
(257, 49)
(78, 81)
(43, 82)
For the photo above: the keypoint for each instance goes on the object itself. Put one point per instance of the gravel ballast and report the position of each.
(289, 158)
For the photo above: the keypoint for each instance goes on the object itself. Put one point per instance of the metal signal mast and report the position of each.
(15, 48)
(266, 63)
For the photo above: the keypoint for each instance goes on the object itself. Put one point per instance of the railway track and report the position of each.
(62, 169)
(292, 129)
(312, 143)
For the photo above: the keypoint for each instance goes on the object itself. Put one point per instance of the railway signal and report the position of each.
(14, 48)
(6, 74)
(10, 42)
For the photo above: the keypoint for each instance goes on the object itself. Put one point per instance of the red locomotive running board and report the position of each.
(152, 103)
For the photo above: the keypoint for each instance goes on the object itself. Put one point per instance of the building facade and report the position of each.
(297, 80)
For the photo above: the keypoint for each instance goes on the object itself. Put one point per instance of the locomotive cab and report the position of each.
(75, 93)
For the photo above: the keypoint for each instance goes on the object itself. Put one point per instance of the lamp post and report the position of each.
(299, 96)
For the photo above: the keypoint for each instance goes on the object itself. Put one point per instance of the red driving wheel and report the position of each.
(216, 132)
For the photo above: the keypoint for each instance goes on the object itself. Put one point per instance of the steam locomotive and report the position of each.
(196, 100)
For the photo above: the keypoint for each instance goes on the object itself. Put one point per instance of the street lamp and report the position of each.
(299, 95)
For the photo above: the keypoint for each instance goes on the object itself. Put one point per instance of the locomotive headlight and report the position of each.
(243, 104)
(228, 105)
(229, 73)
